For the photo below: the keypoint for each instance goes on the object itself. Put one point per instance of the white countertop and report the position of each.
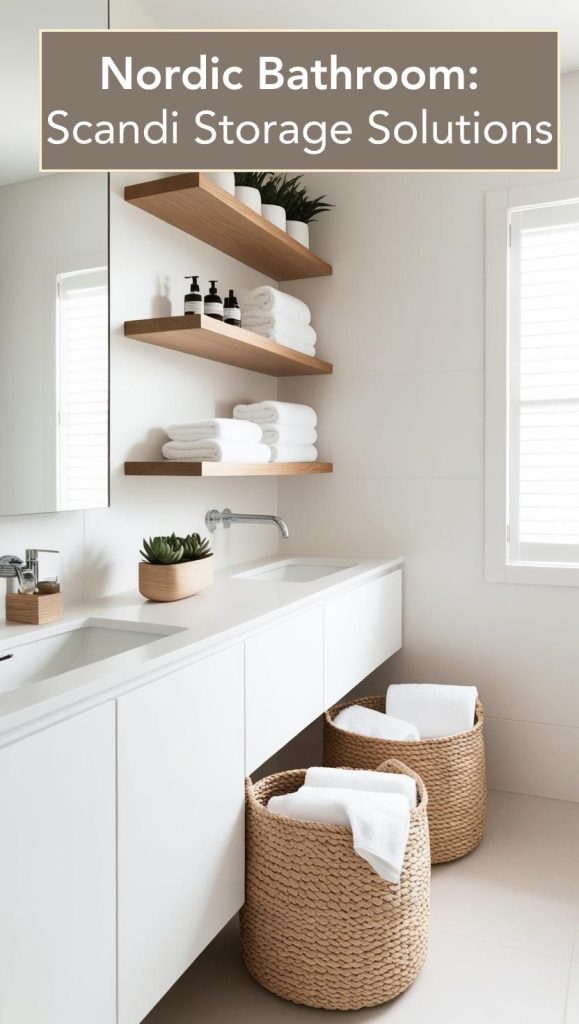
(230, 610)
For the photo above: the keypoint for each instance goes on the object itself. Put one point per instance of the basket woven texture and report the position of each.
(319, 927)
(452, 769)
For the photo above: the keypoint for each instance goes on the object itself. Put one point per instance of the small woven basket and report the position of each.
(451, 767)
(319, 927)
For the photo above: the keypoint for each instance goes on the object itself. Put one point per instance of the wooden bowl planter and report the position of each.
(174, 582)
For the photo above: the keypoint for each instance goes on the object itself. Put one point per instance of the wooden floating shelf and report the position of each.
(211, 339)
(166, 467)
(195, 204)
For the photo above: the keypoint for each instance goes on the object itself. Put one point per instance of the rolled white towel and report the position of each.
(368, 722)
(370, 782)
(266, 298)
(286, 332)
(436, 710)
(288, 414)
(289, 435)
(223, 429)
(293, 453)
(379, 821)
(215, 451)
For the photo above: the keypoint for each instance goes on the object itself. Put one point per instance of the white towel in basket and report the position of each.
(368, 722)
(370, 782)
(436, 710)
(379, 821)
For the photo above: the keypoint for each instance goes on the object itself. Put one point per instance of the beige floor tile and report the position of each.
(572, 1015)
(521, 887)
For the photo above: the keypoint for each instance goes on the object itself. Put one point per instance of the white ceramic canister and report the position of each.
(250, 196)
(274, 214)
(225, 180)
(299, 230)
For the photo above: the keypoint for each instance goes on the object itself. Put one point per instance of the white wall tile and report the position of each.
(525, 757)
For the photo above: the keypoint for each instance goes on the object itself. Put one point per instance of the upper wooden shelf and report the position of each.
(212, 339)
(195, 204)
(170, 467)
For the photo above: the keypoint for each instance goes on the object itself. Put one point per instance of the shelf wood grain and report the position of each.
(167, 467)
(211, 339)
(196, 205)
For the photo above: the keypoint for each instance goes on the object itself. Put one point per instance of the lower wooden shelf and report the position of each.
(166, 467)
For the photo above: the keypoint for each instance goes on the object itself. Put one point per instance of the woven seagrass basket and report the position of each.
(319, 927)
(451, 767)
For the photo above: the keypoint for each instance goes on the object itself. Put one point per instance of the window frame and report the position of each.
(498, 567)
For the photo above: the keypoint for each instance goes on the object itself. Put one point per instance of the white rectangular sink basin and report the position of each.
(68, 646)
(294, 570)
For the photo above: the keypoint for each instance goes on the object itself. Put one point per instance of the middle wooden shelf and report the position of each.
(199, 335)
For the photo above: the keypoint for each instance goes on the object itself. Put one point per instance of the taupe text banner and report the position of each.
(299, 100)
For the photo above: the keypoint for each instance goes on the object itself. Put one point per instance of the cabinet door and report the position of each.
(57, 874)
(180, 823)
(362, 628)
(283, 684)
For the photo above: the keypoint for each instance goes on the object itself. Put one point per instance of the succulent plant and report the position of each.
(195, 547)
(172, 550)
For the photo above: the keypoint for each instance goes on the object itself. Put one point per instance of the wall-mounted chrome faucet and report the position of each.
(12, 565)
(227, 517)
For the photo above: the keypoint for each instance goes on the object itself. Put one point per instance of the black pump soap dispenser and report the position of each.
(193, 298)
(213, 303)
(231, 310)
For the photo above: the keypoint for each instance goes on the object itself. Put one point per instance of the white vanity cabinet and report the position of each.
(284, 688)
(57, 874)
(362, 628)
(180, 823)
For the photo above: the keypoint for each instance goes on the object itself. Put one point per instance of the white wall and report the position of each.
(402, 418)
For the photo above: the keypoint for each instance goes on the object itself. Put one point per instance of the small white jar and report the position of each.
(299, 230)
(225, 180)
(250, 196)
(274, 214)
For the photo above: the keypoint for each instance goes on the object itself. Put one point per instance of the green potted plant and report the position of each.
(301, 210)
(175, 567)
(247, 188)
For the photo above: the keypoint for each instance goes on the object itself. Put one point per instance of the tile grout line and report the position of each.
(505, 945)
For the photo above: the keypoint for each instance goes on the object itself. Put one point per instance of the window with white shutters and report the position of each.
(82, 385)
(543, 449)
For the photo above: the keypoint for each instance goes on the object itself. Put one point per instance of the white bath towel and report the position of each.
(370, 782)
(266, 299)
(288, 414)
(435, 710)
(287, 332)
(289, 435)
(368, 722)
(223, 429)
(215, 451)
(293, 453)
(379, 821)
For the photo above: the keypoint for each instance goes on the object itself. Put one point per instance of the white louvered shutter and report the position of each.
(83, 384)
(544, 385)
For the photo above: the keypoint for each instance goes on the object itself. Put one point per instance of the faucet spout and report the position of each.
(227, 517)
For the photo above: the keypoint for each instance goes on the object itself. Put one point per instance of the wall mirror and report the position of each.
(54, 309)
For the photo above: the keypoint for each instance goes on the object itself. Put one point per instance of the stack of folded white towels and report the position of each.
(376, 806)
(289, 430)
(278, 316)
(414, 711)
(216, 440)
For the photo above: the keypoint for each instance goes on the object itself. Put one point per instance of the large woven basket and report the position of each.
(452, 769)
(319, 926)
